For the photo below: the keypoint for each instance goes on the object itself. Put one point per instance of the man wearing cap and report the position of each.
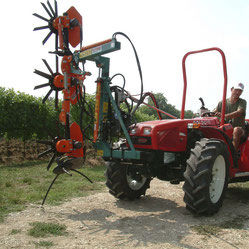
(235, 111)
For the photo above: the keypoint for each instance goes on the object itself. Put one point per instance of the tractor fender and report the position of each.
(211, 132)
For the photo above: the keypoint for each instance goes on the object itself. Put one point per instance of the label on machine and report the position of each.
(99, 50)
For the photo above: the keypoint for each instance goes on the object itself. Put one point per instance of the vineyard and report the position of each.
(16, 150)
(25, 119)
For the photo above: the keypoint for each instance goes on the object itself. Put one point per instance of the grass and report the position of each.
(28, 182)
(15, 231)
(235, 223)
(207, 229)
(239, 192)
(44, 244)
(215, 229)
(42, 229)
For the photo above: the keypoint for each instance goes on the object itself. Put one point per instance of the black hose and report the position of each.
(139, 69)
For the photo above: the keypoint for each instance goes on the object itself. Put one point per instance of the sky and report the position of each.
(163, 31)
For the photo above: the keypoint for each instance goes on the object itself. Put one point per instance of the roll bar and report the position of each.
(225, 80)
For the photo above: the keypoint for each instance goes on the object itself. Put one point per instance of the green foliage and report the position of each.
(164, 106)
(188, 114)
(141, 116)
(24, 116)
(87, 120)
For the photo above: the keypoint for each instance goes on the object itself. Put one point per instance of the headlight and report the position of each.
(147, 130)
(133, 131)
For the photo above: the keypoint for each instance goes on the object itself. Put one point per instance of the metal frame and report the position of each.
(225, 80)
(94, 53)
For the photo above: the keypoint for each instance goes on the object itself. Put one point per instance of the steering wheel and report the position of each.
(208, 114)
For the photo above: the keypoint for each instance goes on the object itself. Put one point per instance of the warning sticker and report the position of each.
(100, 153)
(85, 53)
(105, 107)
(97, 50)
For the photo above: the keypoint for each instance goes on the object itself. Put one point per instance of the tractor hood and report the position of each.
(167, 135)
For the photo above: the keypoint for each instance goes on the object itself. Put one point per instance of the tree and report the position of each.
(164, 106)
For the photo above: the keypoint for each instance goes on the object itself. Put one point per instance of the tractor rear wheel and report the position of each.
(206, 176)
(125, 182)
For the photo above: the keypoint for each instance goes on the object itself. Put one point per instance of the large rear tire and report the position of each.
(125, 182)
(206, 176)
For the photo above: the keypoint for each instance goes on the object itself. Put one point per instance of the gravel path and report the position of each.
(158, 220)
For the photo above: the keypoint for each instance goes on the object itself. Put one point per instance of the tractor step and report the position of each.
(241, 174)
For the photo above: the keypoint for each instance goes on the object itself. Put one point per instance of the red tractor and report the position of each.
(198, 151)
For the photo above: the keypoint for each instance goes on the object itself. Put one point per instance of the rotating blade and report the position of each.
(44, 6)
(57, 63)
(51, 161)
(56, 57)
(56, 42)
(65, 171)
(41, 17)
(82, 175)
(48, 67)
(46, 97)
(56, 99)
(40, 28)
(51, 9)
(47, 37)
(55, 8)
(45, 75)
(45, 153)
(41, 86)
(49, 189)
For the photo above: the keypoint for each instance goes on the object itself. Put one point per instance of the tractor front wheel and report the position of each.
(206, 176)
(125, 182)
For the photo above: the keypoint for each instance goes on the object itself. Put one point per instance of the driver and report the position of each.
(235, 111)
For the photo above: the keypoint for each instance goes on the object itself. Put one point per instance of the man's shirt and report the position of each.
(238, 105)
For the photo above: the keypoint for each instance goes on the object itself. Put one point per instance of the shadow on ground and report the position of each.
(150, 220)
(238, 194)
(155, 220)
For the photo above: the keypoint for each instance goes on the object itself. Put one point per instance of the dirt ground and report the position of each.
(15, 150)
(158, 220)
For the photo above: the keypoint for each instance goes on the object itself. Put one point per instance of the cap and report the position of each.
(239, 86)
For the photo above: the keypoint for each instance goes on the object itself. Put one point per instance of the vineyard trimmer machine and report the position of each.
(198, 151)
(109, 118)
